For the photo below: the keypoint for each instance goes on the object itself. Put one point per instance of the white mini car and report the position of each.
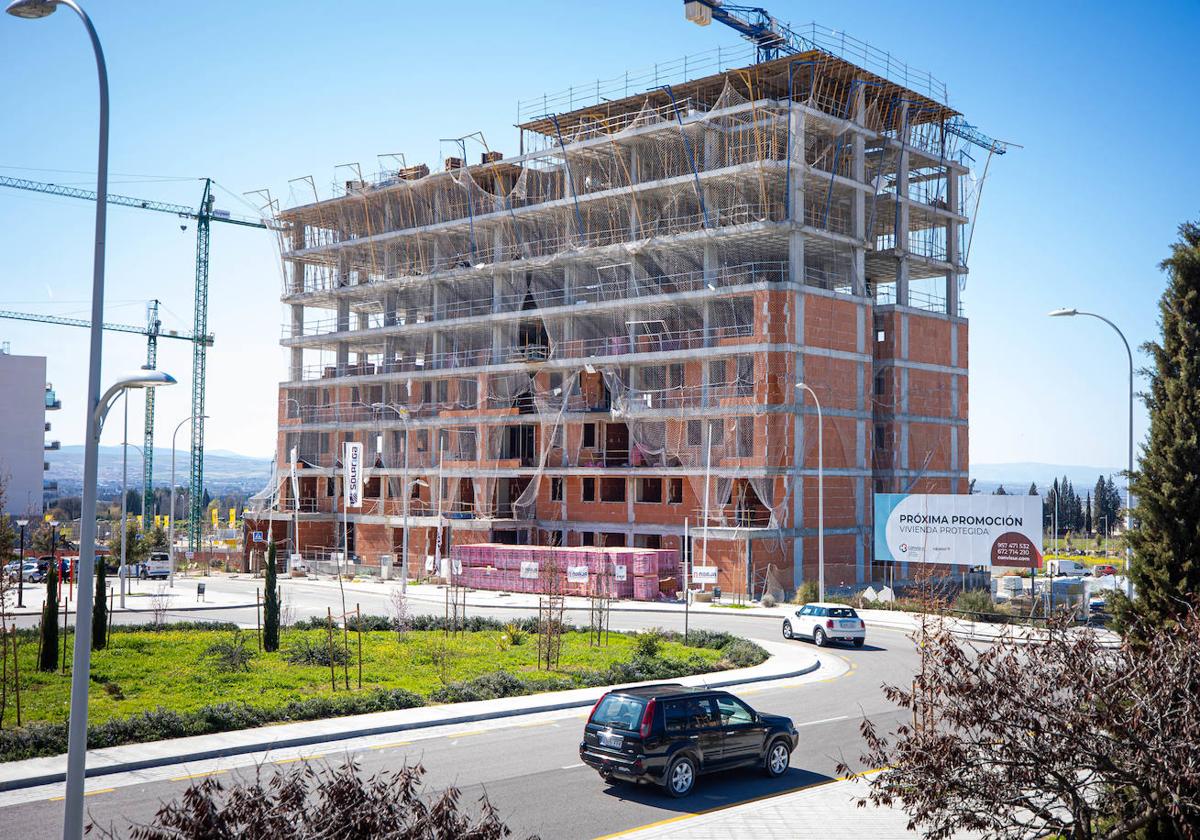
(824, 623)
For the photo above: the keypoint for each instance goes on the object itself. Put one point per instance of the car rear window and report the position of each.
(841, 612)
(619, 711)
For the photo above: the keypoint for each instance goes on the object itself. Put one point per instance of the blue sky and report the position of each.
(255, 94)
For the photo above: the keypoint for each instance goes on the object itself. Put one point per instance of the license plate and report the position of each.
(610, 740)
(848, 625)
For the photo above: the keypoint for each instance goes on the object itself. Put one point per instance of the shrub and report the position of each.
(369, 623)
(647, 643)
(768, 600)
(229, 656)
(977, 604)
(305, 651)
(40, 739)
(307, 802)
(743, 653)
(807, 593)
(515, 633)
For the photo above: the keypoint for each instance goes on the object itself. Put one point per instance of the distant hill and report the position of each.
(1016, 476)
(223, 470)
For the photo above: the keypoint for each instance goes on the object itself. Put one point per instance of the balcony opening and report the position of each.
(612, 489)
(649, 491)
(749, 511)
(616, 445)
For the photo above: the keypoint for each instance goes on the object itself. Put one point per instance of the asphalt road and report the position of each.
(530, 769)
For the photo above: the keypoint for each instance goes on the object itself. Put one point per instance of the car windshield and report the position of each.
(619, 712)
(841, 612)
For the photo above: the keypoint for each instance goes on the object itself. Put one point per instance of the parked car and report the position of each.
(669, 734)
(824, 623)
(158, 567)
(1104, 569)
(1061, 568)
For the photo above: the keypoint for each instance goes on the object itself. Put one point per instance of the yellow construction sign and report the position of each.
(215, 515)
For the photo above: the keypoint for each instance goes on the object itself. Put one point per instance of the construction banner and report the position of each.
(139, 521)
(233, 517)
(215, 515)
(352, 457)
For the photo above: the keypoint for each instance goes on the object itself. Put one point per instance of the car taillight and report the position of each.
(647, 720)
(829, 624)
(592, 714)
(862, 624)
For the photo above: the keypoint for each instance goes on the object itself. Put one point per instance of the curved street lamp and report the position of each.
(1070, 313)
(77, 727)
(820, 492)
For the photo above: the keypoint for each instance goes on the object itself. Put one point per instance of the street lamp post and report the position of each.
(405, 491)
(77, 727)
(1068, 313)
(820, 493)
(171, 519)
(21, 568)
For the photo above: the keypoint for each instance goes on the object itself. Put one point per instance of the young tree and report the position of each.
(271, 603)
(1166, 541)
(49, 657)
(100, 610)
(1070, 737)
(1087, 514)
(1033, 491)
(1000, 491)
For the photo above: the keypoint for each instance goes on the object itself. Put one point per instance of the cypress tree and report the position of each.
(100, 610)
(1166, 538)
(271, 603)
(49, 656)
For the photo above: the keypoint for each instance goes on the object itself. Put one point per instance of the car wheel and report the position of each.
(859, 642)
(778, 758)
(787, 629)
(680, 777)
(819, 637)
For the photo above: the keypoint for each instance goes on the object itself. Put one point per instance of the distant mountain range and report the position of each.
(1016, 477)
(223, 470)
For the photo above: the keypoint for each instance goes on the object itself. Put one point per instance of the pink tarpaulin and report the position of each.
(618, 571)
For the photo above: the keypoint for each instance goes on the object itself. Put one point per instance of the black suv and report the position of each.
(668, 734)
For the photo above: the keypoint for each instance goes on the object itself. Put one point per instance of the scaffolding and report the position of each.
(628, 305)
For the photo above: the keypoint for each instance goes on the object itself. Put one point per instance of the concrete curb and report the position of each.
(119, 611)
(267, 743)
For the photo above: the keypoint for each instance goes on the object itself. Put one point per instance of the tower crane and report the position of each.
(774, 39)
(153, 330)
(204, 215)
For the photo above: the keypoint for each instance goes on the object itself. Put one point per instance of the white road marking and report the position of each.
(826, 720)
(572, 766)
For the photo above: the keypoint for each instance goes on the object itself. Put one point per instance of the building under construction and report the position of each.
(599, 340)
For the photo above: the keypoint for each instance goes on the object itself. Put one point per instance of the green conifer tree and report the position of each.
(1166, 537)
(49, 657)
(100, 610)
(271, 603)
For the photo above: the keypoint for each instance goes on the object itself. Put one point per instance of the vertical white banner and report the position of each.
(352, 477)
(295, 480)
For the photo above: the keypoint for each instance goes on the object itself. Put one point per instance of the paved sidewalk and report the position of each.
(823, 812)
(142, 595)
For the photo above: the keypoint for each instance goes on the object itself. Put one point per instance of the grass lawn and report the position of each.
(142, 671)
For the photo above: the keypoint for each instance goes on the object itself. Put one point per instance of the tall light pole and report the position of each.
(171, 519)
(81, 662)
(1068, 313)
(21, 568)
(820, 492)
(406, 490)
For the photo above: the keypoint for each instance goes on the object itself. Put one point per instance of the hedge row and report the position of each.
(40, 739)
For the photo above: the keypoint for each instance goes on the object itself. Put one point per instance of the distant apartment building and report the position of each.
(25, 397)
(599, 340)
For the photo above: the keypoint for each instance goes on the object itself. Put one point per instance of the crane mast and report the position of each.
(204, 216)
(152, 331)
